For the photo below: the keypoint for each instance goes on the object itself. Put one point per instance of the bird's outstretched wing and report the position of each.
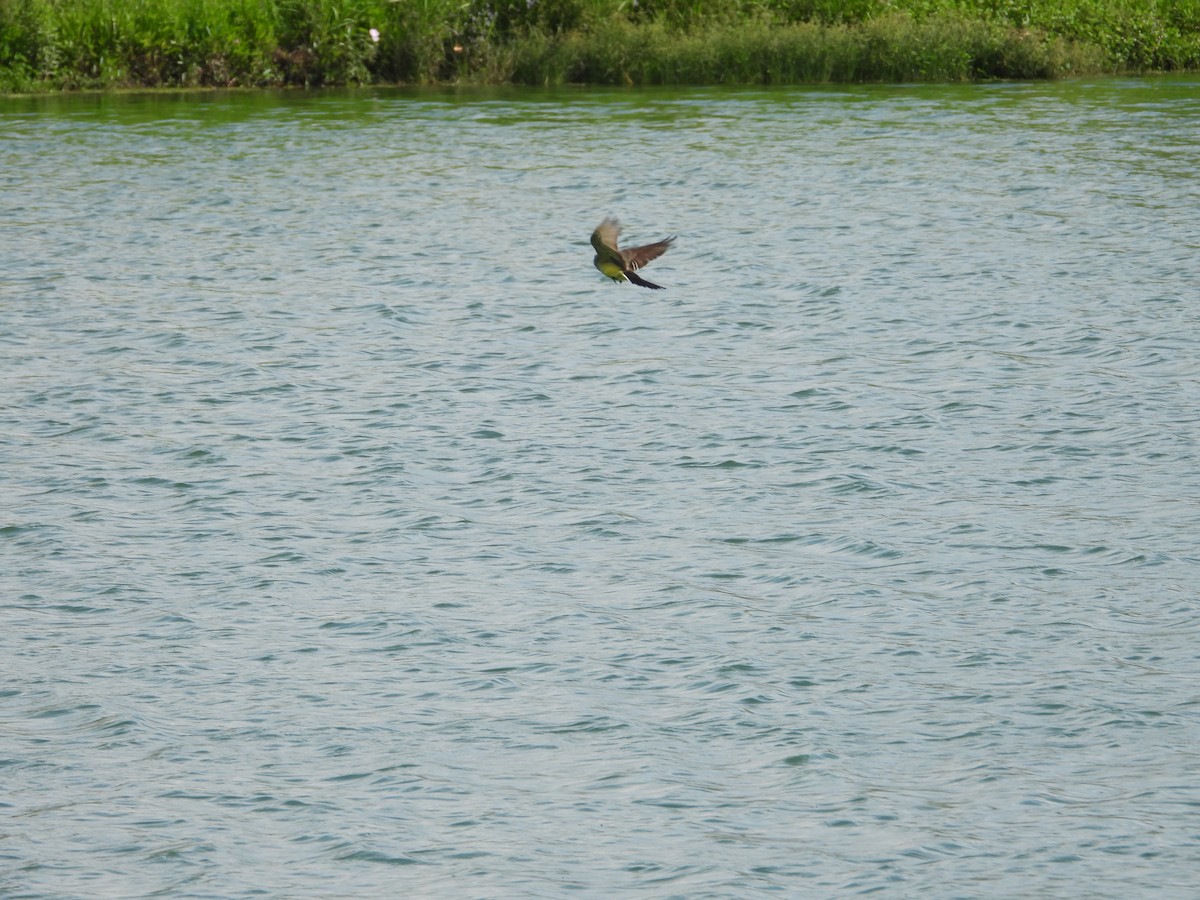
(636, 257)
(604, 239)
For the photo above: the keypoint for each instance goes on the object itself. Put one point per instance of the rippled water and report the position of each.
(359, 539)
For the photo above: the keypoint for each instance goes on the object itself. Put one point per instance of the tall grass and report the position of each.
(894, 48)
(101, 43)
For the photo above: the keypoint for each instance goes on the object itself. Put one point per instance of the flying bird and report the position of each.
(622, 265)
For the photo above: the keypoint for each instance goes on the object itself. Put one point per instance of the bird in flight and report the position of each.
(622, 265)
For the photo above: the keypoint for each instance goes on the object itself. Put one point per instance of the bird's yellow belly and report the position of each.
(611, 269)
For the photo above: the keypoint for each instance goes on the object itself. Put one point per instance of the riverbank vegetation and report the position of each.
(65, 44)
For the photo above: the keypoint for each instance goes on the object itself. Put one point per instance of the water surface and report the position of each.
(359, 539)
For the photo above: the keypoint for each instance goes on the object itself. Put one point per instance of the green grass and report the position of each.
(64, 44)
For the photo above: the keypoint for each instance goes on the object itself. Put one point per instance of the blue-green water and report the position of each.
(359, 539)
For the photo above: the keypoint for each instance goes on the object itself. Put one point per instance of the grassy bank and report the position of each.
(54, 44)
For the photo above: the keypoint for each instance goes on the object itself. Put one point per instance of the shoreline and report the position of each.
(81, 45)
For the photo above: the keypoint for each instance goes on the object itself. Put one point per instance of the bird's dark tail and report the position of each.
(642, 282)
